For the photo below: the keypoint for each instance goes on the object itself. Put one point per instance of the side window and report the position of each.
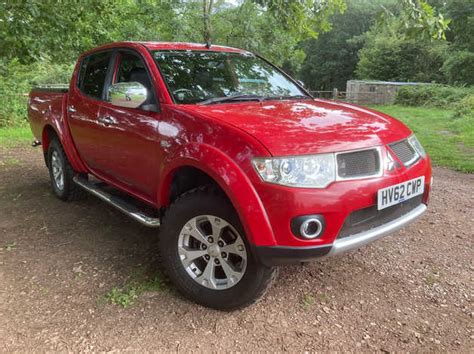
(132, 69)
(93, 74)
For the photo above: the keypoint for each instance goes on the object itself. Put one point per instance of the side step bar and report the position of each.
(120, 204)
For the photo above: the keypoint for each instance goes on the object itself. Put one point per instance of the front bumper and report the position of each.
(341, 201)
(280, 255)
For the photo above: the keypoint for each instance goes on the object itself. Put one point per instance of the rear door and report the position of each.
(84, 103)
(131, 136)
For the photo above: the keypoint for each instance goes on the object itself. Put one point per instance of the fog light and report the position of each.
(308, 227)
(311, 228)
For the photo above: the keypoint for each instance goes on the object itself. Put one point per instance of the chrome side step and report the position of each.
(122, 205)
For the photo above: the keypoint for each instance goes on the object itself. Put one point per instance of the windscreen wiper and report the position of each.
(246, 97)
(288, 97)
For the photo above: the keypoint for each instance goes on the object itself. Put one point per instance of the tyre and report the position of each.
(62, 174)
(206, 255)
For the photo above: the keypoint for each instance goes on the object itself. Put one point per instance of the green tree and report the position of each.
(305, 18)
(206, 14)
(35, 30)
(459, 64)
(331, 59)
(420, 20)
(389, 55)
(461, 28)
(391, 52)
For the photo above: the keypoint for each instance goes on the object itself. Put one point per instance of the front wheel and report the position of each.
(206, 254)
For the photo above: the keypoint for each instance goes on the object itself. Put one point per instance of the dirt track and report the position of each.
(411, 291)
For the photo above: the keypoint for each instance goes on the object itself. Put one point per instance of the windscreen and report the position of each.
(194, 76)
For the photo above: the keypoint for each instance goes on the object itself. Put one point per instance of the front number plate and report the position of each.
(400, 192)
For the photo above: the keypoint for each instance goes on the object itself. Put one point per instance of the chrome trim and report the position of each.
(120, 204)
(415, 158)
(127, 94)
(313, 235)
(107, 121)
(355, 241)
(378, 174)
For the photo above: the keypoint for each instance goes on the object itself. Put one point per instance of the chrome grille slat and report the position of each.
(405, 152)
(358, 164)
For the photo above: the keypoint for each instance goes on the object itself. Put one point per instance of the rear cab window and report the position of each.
(93, 74)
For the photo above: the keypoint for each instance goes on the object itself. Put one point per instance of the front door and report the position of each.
(131, 134)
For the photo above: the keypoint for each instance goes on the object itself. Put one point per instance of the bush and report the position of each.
(459, 67)
(16, 81)
(465, 107)
(432, 95)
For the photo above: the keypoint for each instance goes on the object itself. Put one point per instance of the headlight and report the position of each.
(316, 171)
(416, 145)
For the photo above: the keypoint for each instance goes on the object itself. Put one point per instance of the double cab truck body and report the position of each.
(237, 164)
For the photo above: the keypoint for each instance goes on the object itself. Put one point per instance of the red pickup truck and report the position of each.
(237, 164)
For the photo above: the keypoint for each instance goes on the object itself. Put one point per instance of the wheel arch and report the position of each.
(48, 134)
(56, 129)
(212, 166)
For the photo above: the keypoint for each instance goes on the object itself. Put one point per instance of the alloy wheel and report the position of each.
(58, 170)
(212, 252)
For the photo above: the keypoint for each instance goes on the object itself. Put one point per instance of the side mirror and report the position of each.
(127, 94)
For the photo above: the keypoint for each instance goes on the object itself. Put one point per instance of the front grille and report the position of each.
(357, 164)
(405, 152)
(369, 218)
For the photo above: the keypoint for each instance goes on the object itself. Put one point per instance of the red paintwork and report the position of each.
(307, 127)
(141, 153)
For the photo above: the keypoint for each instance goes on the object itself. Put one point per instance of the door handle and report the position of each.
(71, 109)
(106, 120)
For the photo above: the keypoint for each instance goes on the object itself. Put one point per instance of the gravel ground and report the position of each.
(411, 291)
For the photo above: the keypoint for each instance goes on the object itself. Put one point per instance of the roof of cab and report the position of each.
(189, 46)
(170, 46)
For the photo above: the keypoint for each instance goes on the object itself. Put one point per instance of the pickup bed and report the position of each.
(239, 167)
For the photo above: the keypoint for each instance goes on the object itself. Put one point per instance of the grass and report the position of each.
(10, 162)
(324, 297)
(449, 141)
(10, 246)
(15, 136)
(432, 277)
(430, 280)
(307, 301)
(137, 284)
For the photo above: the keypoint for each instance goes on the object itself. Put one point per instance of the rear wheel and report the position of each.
(206, 255)
(62, 174)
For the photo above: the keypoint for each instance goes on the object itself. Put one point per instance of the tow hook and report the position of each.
(36, 143)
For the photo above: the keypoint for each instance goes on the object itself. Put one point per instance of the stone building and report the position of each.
(374, 92)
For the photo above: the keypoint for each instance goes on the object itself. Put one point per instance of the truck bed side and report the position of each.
(47, 114)
(44, 107)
